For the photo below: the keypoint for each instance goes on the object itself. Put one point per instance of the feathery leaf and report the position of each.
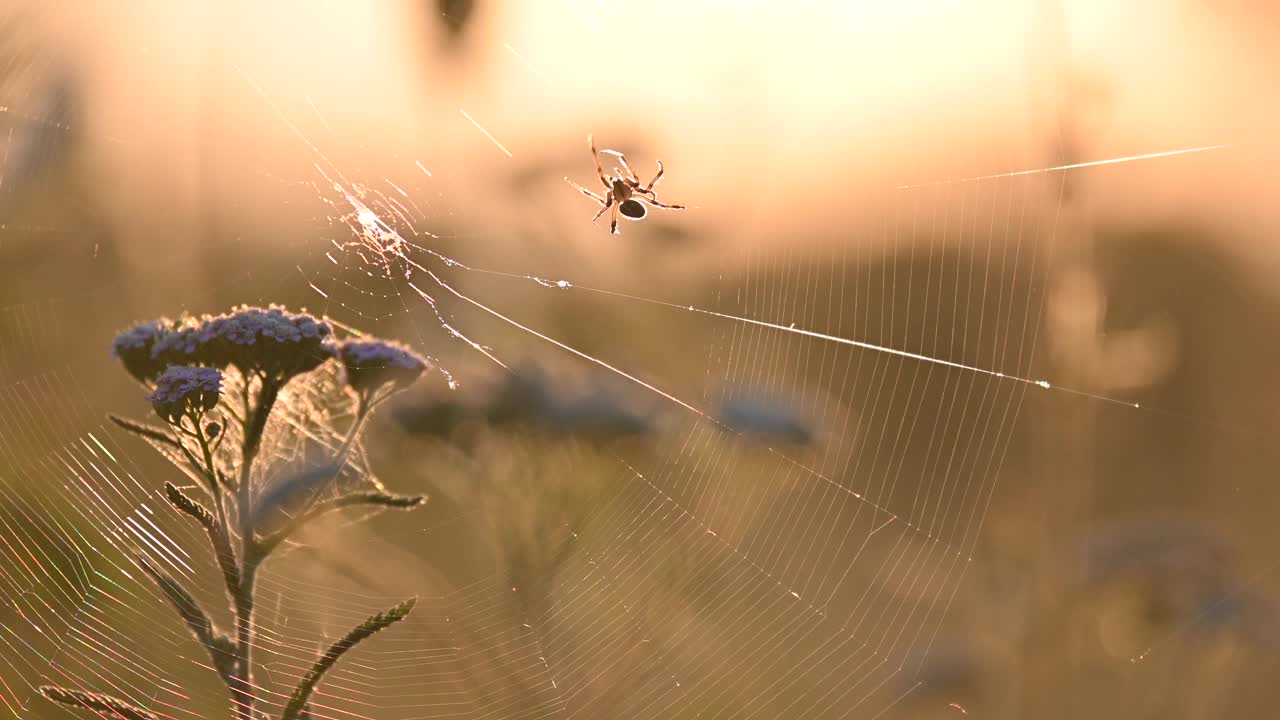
(298, 702)
(150, 432)
(402, 502)
(185, 503)
(217, 535)
(376, 499)
(104, 705)
(221, 649)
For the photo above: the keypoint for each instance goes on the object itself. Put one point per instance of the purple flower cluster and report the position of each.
(372, 364)
(271, 341)
(133, 348)
(181, 389)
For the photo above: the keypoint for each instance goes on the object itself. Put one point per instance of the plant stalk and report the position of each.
(256, 422)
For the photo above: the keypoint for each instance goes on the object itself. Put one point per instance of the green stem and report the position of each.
(242, 692)
(257, 421)
(250, 558)
(214, 485)
(340, 457)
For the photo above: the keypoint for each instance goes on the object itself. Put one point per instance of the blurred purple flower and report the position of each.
(1185, 571)
(766, 419)
(1156, 547)
(372, 364)
(435, 417)
(530, 396)
(181, 389)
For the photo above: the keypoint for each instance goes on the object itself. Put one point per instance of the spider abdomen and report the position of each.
(632, 209)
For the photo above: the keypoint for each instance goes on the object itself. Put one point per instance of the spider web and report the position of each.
(706, 574)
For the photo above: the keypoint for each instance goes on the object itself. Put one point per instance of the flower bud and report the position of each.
(181, 389)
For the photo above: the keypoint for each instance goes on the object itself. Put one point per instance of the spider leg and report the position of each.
(607, 204)
(595, 154)
(613, 225)
(649, 188)
(625, 166)
(585, 191)
(654, 202)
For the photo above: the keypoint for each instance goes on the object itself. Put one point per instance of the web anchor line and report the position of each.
(1073, 166)
(562, 346)
(1043, 384)
(566, 285)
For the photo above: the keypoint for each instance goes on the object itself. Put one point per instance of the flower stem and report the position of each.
(362, 412)
(256, 423)
(215, 487)
(242, 695)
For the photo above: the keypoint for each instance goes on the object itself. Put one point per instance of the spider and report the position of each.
(623, 192)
